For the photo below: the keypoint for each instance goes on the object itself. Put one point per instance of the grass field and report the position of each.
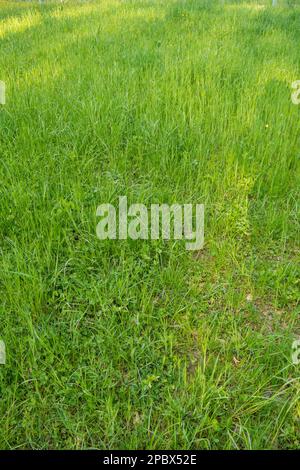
(143, 344)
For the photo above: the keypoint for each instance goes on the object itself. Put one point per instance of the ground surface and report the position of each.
(140, 344)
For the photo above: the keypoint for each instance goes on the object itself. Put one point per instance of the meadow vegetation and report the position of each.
(143, 344)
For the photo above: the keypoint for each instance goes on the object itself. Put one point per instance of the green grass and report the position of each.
(142, 344)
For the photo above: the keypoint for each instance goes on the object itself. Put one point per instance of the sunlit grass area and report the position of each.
(143, 344)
